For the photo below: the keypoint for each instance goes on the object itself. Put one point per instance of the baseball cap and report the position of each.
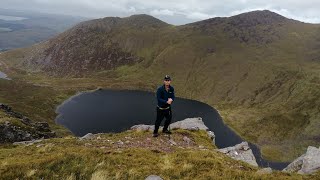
(167, 77)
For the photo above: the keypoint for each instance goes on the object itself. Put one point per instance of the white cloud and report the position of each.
(164, 12)
(199, 16)
(303, 17)
(178, 10)
(132, 10)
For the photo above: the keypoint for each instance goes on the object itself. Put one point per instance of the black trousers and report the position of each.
(167, 113)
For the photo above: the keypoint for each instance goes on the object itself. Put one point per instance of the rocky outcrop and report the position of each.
(241, 152)
(27, 131)
(13, 133)
(192, 124)
(212, 136)
(8, 110)
(143, 127)
(308, 163)
(88, 136)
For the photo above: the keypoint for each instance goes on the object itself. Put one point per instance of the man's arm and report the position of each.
(173, 96)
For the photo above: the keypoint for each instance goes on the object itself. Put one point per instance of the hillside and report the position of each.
(258, 69)
(94, 46)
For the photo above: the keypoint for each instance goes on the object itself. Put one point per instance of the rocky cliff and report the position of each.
(16, 127)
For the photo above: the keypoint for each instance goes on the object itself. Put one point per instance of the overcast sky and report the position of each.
(171, 11)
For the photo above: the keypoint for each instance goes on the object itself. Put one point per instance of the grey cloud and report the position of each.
(171, 11)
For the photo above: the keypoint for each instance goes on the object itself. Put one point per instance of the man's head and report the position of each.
(167, 80)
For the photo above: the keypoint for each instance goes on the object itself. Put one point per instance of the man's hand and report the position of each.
(169, 101)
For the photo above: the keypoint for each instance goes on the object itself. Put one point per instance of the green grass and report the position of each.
(68, 157)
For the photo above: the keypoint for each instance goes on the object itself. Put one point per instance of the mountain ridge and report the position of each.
(243, 28)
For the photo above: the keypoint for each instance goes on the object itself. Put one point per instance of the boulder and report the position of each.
(142, 127)
(88, 136)
(241, 152)
(307, 163)
(212, 136)
(153, 177)
(192, 124)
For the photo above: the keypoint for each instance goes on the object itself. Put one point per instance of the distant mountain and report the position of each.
(96, 45)
(21, 29)
(259, 69)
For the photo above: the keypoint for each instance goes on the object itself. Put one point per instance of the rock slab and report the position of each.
(240, 152)
(192, 124)
(307, 163)
(153, 177)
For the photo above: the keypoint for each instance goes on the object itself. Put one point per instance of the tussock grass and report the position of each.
(69, 158)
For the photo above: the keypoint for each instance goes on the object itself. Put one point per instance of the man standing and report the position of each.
(165, 97)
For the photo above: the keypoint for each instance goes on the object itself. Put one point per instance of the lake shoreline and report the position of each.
(262, 162)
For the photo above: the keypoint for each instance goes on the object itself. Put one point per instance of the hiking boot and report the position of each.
(155, 135)
(167, 132)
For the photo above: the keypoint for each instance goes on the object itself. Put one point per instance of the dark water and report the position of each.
(116, 111)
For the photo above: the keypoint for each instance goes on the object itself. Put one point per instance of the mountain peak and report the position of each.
(247, 19)
(260, 12)
(135, 21)
(144, 20)
(141, 16)
(259, 17)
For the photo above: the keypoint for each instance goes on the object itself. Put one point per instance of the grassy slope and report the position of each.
(36, 102)
(266, 91)
(137, 158)
(266, 94)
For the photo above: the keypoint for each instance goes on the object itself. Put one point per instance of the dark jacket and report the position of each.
(163, 96)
